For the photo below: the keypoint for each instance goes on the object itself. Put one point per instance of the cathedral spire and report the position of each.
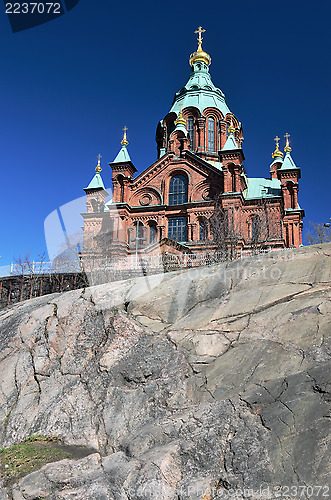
(288, 163)
(200, 55)
(97, 182)
(277, 153)
(123, 155)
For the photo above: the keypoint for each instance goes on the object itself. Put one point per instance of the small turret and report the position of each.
(95, 191)
(178, 140)
(289, 174)
(123, 171)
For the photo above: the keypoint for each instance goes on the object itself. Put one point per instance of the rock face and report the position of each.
(192, 385)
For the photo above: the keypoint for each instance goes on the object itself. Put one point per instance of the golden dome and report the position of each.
(180, 119)
(287, 148)
(277, 153)
(124, 141)
(200, 55)
(98, 168)
(231, 128)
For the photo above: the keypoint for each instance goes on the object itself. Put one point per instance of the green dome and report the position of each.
(200, 92)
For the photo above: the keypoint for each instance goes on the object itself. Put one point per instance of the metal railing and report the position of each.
(144, 262)
(33, 268)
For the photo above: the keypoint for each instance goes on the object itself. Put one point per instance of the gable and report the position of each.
(152, 185)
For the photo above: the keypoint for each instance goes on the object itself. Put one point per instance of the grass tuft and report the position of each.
(21, 459)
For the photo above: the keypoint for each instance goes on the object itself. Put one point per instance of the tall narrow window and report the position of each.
(211, 134)
(177, 190)
(152, 233)
(177, 228)
(291, 192)
(139, 231)
(256, 228)
(202, 231)
(190, 131)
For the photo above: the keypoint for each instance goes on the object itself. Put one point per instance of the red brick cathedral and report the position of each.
(197, 194)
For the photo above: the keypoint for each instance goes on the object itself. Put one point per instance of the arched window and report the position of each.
(138, 237)
(190, 131)
(211, 134)
(152, 232)
(291, 192)
(233, 179)
(121, 183)
(177, 190)
(202, 230)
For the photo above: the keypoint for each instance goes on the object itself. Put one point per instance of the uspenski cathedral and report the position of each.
(198, 175)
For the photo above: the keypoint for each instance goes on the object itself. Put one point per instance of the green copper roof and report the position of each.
(200, 92)
(276, 160)
(216, 164)
(230, 143)
(262, 188)
(288, 163)
(123, 156)
(96, 182)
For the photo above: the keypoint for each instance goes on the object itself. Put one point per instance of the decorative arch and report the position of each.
(191, 110)
(213, 118)
(166, 180)
(147, 196)
(234, 120)
(205, 191)
(191, 114)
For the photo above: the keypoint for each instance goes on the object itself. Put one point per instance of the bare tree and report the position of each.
(318, 233)
(226, 233)
(98, 257)
(30, 273)
(230, 234)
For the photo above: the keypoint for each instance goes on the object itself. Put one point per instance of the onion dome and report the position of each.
(287, 148)
(180, 119)
(98, 168)
(200, 55)
(124, 141)
(231, 128)
(277, 153)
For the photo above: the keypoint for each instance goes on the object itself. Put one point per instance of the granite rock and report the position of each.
(195, 384)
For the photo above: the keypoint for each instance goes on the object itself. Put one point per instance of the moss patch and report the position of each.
(21, 459)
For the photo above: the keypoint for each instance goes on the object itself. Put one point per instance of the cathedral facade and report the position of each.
(196, 196)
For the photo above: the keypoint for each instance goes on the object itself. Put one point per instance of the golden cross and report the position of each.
(277, 139)
(99, 158)
(200, 30)
(125, 128)
(287, 136)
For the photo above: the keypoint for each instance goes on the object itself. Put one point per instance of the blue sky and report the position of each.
(69, 86)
